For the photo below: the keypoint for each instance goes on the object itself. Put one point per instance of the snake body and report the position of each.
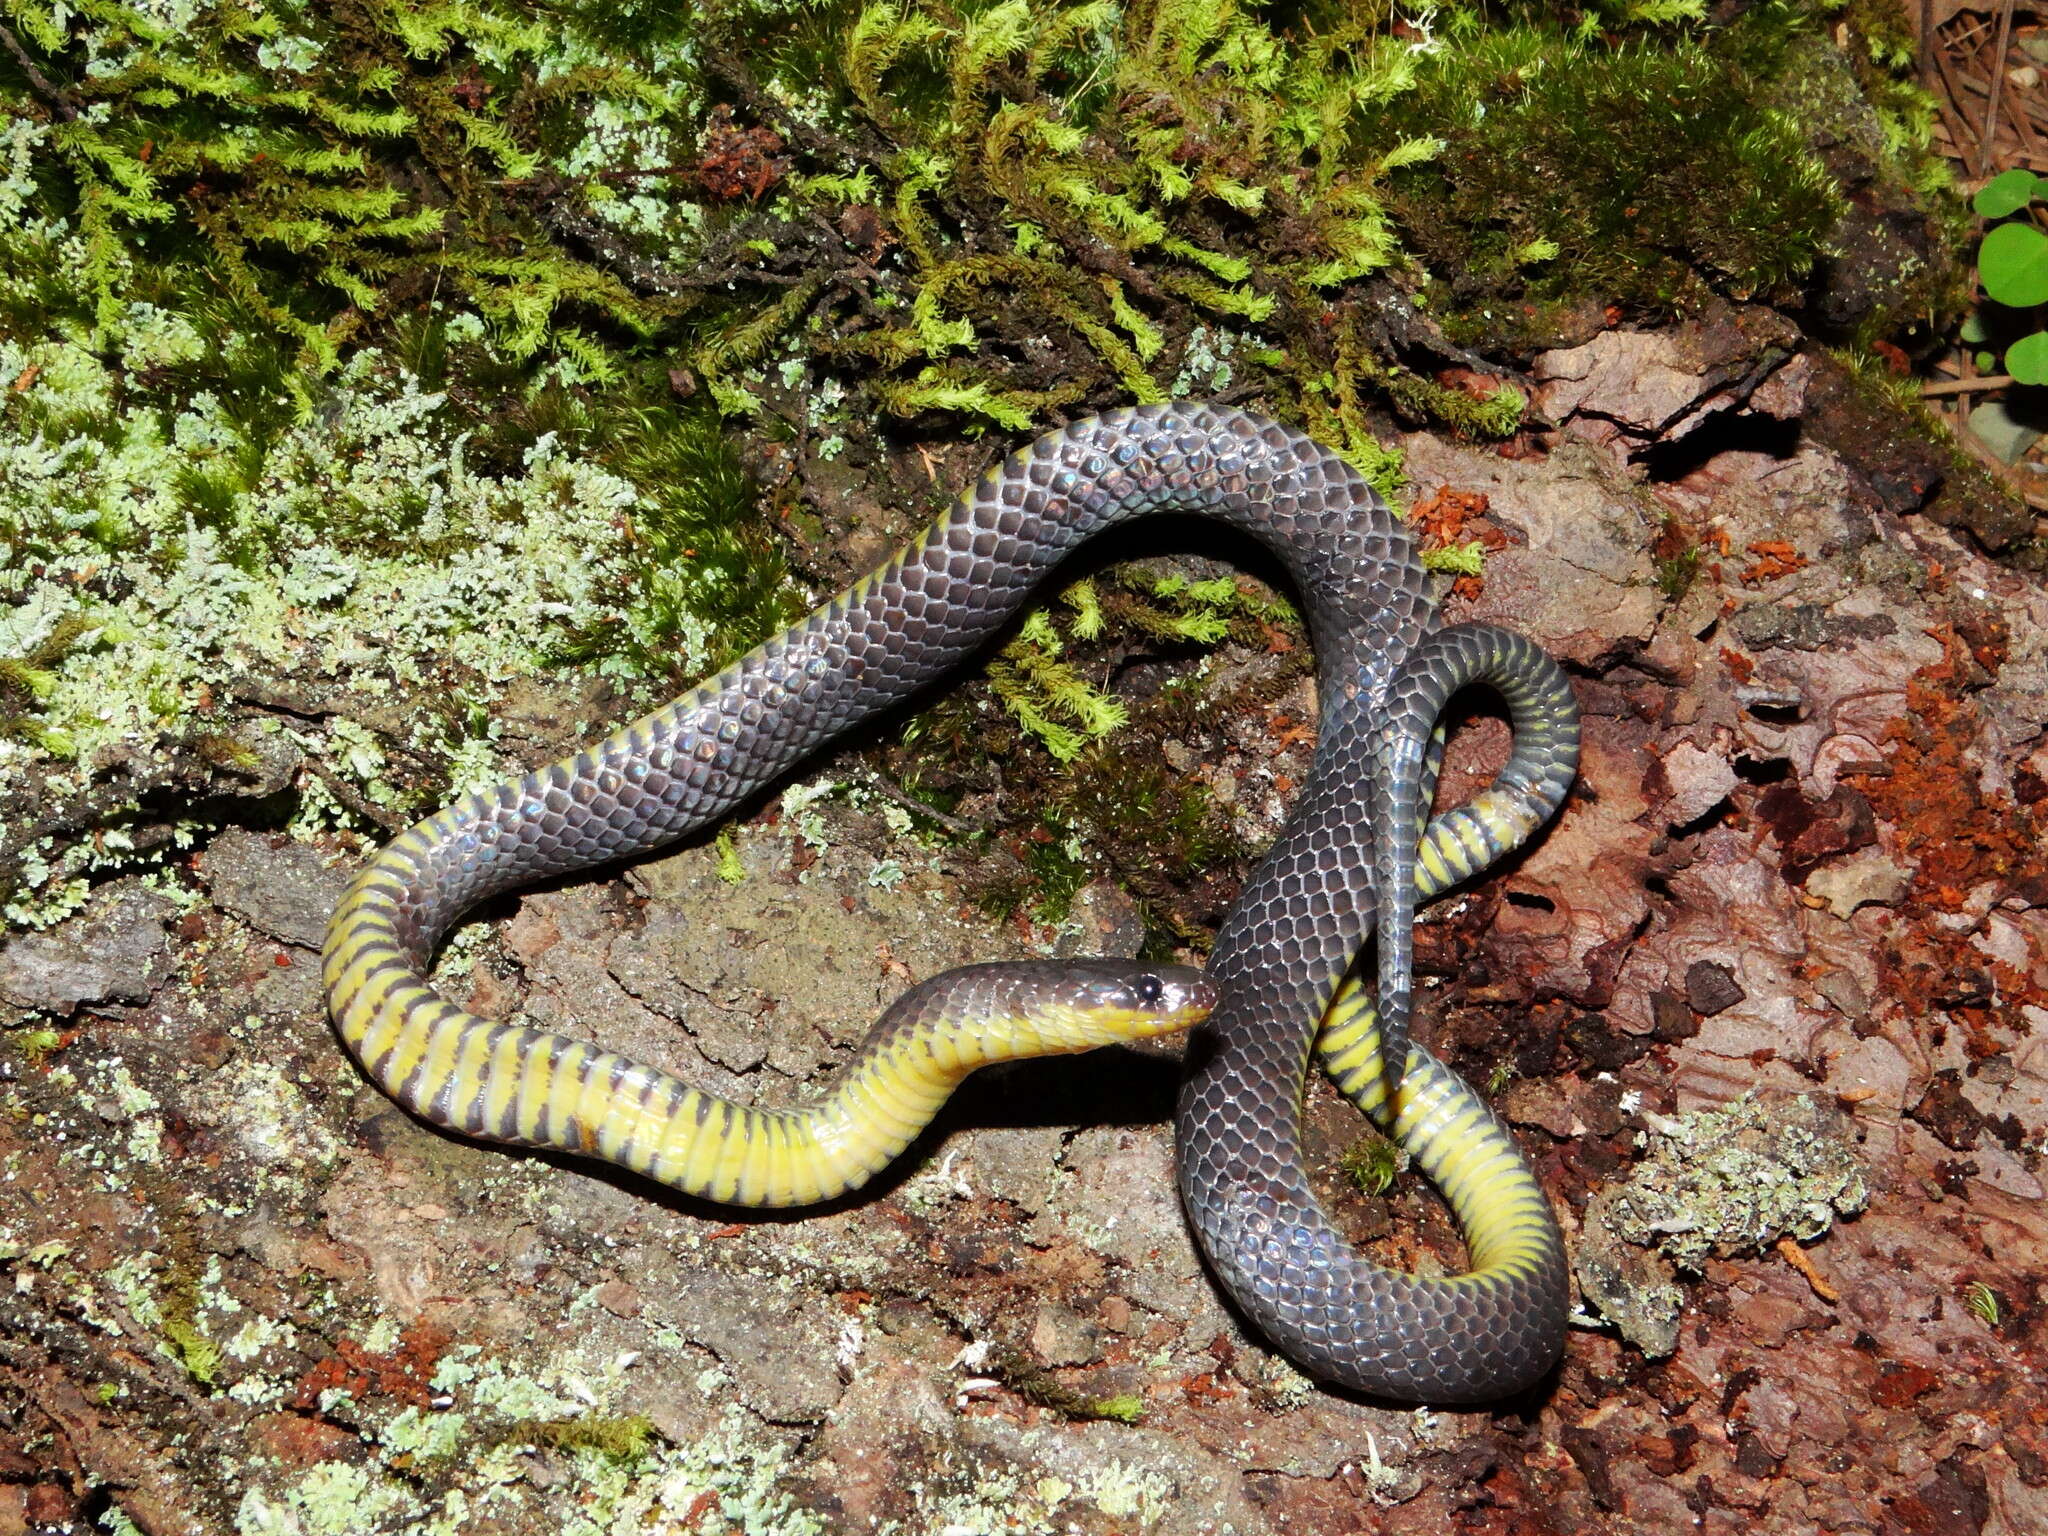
(536, 1089)
(1385, 666)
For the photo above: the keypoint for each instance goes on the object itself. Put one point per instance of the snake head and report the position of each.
(1101, 1002)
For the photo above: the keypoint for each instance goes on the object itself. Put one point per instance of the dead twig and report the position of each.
(38, 82)
(1998, 53)
(953, 824)
(1982, 384)
(354, 799)
(1790, 1251)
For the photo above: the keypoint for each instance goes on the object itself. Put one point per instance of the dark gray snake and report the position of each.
(1386, 669)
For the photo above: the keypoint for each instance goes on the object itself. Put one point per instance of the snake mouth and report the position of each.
(1177, 996)
(1109, 1000)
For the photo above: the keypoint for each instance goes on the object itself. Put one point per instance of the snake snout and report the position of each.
(1124, 1000)
(1152, 1000)
(1178, 995)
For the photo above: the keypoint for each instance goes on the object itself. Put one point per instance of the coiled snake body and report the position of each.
(1385, 670)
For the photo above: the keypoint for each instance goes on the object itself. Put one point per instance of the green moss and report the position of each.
(1497, 414)
(1371, 1162)
(326, 165)
(1056, 706)
(1058, 867)
(1982, 1302)
(1677, 558)
(37, 1046)
(730, 867)
(1144, 810)
(1127, 167)
(1038, 1386)
(1633, 166)
(1466, 559)
(194, 1350)
(617, 1437)
(1886, 406)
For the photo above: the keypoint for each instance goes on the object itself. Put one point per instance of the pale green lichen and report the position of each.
(167, 545)
(495, 568)
(742, 1476)
(607, 1472)
(382, 1335)
(133, 1283)
(61, 876)
(1125, 1492)
(258, 1334)
(335, 1498)
(514, 1395)
(1736, 1179)
(267, 1114)
(1719, 1182)
(431, 1436)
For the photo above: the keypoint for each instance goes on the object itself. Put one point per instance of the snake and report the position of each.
(1356, 851)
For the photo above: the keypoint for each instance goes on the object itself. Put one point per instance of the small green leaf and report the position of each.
(1986, 362)
(2006, 194)
(1973, 329)
(2027, 359)
(2013, 262)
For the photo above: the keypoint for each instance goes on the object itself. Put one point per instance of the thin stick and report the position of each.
(353, 798)
(1979, 385)
(38, 81)
(909, 802)
(1947, 102)
(1998, 54)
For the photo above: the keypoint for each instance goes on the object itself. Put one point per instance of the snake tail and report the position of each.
(1465, 839)
(1511, 1234)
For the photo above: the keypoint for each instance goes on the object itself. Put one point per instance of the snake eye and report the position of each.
(1150, 990)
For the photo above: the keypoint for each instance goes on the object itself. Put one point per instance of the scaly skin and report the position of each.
(1297, 926)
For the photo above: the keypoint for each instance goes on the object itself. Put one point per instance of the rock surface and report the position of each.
(1802, 862)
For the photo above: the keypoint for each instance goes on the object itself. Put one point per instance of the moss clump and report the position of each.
(1371, 1162)
(1678, 558)
(37, 1046)
(1036, 1385)
(302, 171)
(181, 1301)
(195, 1351)
(616, 1437)
(1080, 201)
(1868, 407)
(1633, 167)
(1981, 1302)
